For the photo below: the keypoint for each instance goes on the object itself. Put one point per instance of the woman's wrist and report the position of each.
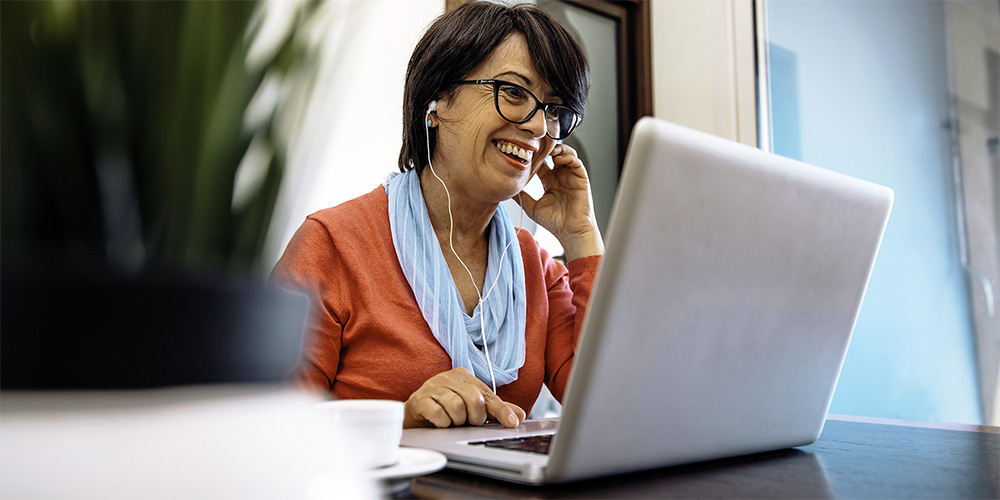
(583, 244)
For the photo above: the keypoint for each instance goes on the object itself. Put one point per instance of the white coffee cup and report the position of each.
(368, 429)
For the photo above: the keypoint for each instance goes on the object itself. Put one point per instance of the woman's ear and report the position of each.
(435, 109)
(439, 105)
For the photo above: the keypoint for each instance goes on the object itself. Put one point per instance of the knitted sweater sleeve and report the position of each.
(308, 266)
(569, 290)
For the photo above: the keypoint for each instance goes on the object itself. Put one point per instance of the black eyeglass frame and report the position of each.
(538, 104)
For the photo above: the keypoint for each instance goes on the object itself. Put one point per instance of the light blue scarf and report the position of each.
(426, 271)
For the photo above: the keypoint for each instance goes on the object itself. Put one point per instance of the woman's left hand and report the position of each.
(567, 208)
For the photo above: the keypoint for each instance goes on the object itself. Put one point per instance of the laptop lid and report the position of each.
(721, 313)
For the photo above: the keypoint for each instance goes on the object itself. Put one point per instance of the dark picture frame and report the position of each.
(635, 69)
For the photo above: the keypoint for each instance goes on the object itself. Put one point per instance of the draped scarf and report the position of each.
(424, 266)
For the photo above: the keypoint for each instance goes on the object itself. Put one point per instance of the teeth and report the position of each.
(511, 149)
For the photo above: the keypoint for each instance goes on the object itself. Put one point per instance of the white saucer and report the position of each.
(411, 462)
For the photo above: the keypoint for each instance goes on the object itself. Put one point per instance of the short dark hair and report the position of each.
(458, 41)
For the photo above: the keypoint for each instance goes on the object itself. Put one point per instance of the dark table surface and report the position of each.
(851, 459)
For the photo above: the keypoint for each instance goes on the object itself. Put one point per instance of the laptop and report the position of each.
(718, 322)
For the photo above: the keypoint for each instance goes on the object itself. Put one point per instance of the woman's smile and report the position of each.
(518, 154)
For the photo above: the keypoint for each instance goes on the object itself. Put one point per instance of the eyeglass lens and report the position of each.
(516, 104)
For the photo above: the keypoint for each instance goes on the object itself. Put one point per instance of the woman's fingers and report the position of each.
(491, 403)
(521, 415)
(566, 156)
(567, 170)
(498, 409)
(474, 403)
(456, 397)
(426, 410)
(453, 404)
(562, 153)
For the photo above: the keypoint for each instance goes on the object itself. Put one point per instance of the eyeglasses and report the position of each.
(517, 104)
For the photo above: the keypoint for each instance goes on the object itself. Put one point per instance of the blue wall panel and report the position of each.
(861, 87)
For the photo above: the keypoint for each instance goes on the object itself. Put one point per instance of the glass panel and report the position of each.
(974, 30)
(596, 139)
(861, 87)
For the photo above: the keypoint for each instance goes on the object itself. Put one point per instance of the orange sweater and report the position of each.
(366, 337)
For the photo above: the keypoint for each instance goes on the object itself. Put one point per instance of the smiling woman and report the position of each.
(418, 291)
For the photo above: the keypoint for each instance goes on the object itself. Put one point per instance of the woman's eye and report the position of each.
(514, 93)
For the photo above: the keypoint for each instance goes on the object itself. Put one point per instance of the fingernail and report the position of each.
(511, 419)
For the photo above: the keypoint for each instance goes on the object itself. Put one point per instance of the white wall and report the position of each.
(703, 66)
(345, 125)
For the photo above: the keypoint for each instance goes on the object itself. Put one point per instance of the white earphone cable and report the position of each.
(451, 243)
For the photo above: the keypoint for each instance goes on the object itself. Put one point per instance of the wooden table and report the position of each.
(854, 458)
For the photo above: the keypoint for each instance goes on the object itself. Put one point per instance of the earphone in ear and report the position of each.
(430, 109)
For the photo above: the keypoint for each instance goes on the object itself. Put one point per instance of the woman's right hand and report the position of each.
(456, 397)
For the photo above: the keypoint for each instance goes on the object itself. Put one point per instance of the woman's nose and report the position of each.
(536, 125)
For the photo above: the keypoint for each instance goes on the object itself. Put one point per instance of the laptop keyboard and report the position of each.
(532, 444)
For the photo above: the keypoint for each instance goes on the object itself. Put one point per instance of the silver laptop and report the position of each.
(718, 323)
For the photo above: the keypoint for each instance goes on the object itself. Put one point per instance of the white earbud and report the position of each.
(430, 109)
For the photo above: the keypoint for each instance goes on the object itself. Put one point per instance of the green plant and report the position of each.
(122, 131)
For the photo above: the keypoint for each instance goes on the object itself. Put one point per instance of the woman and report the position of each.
(422, 290)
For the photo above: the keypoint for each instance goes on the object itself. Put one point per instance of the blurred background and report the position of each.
(129, 137)
(155, 157)
(183, 133)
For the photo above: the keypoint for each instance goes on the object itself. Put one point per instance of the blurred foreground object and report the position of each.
(207, 442)
(69, 328)
(156, 385)
(140, 356)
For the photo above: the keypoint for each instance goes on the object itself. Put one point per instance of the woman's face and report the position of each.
(471, 133)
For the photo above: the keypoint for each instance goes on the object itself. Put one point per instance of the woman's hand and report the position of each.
(456, 397)
(566, 209)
